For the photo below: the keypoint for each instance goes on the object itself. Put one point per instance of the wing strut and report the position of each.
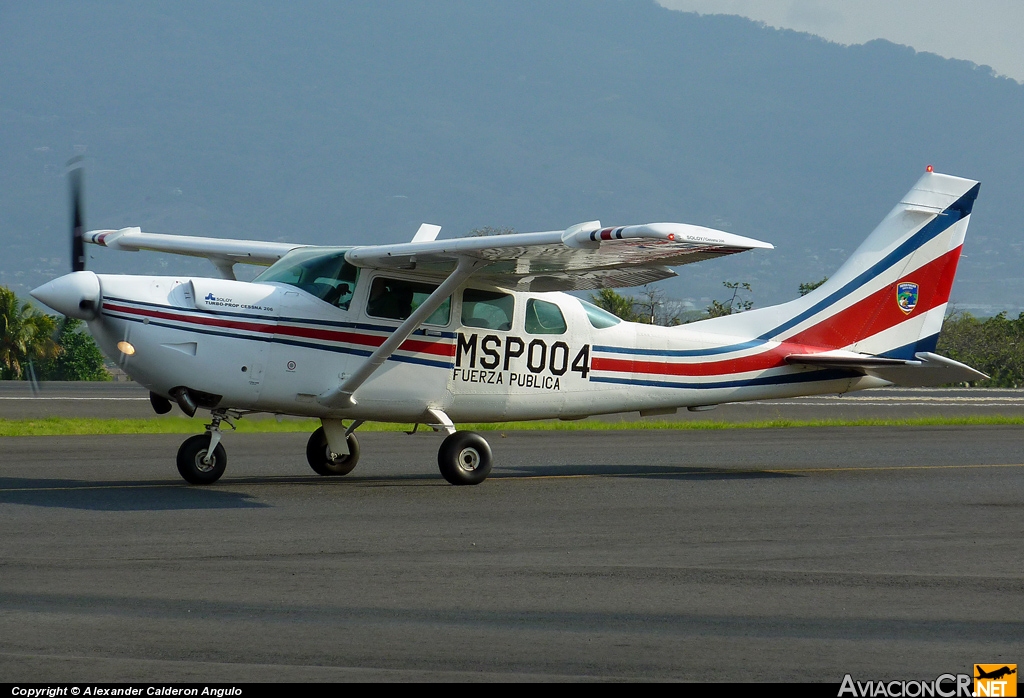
(341, 397)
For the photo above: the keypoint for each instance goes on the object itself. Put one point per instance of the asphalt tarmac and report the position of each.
(750, 555)
(125, 400)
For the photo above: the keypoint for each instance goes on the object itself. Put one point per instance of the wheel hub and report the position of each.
(201, 464)
(334, 458)
(469, 458)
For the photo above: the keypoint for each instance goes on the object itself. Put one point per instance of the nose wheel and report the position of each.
(197, 465)
(464, 458)
(202, 459)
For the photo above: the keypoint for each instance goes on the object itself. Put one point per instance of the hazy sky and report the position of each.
(987, 32)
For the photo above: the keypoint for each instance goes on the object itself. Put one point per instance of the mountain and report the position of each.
(346, 123)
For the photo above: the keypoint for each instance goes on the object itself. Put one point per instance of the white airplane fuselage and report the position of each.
(274, 348)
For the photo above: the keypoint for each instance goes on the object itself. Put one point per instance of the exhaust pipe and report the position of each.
(184, 400)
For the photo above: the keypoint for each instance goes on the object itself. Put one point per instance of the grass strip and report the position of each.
(63, 426)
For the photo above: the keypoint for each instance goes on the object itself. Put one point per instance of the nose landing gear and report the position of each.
(201, 458)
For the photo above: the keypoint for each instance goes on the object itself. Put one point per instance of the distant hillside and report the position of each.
(354, 122)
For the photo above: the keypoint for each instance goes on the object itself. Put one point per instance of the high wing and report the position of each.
(223, 253)
(583, 257)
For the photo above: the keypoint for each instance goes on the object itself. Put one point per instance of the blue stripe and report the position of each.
(421, 362)
(681, 352)
(907, 351)
(802, 377)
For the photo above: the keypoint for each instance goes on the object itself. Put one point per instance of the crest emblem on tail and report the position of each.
(906, 296)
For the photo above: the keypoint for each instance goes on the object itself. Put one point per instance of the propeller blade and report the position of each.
(75, 177)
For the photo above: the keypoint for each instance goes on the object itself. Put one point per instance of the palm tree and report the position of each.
(25, 335)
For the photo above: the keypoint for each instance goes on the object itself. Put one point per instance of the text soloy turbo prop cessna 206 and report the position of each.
(478, 329)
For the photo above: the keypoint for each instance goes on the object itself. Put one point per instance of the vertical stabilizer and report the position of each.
(890, 297)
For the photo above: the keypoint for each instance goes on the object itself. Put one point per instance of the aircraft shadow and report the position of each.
(119, 495)
(648, 472)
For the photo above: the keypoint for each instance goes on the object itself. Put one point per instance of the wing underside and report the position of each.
(580, 258)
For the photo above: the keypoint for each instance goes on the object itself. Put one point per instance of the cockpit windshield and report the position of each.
(599, 317)
(316, 270)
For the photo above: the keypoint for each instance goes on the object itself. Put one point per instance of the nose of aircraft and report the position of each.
(76, 295)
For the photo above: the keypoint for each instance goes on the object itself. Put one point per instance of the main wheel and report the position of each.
(323, 461)
(464, 458)
(190, 460)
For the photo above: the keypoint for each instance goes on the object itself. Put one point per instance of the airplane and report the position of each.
(482, 329)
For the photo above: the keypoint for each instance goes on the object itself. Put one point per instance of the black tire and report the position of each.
(319, 456)
(464, 458)
(190, 460)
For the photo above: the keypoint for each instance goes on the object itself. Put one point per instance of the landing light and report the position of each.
(126, 348)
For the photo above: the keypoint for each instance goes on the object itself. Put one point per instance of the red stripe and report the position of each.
(879, 311)
(772, 358)
(209, 321)
(438, 348)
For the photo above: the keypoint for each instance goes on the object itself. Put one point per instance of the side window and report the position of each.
(395, 299)
(490, 310)
(543, 318)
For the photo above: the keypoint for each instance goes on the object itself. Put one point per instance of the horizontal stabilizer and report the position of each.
(924, 370)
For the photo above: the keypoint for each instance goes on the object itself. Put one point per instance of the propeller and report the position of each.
(76, 180)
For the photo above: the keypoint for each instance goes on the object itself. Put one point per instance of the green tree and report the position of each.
(809, 286)
(994, 346)
(79, 359)
(615, 303)
(26, 335)
(736, 304)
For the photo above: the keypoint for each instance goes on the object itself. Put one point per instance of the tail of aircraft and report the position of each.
(888, 300)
